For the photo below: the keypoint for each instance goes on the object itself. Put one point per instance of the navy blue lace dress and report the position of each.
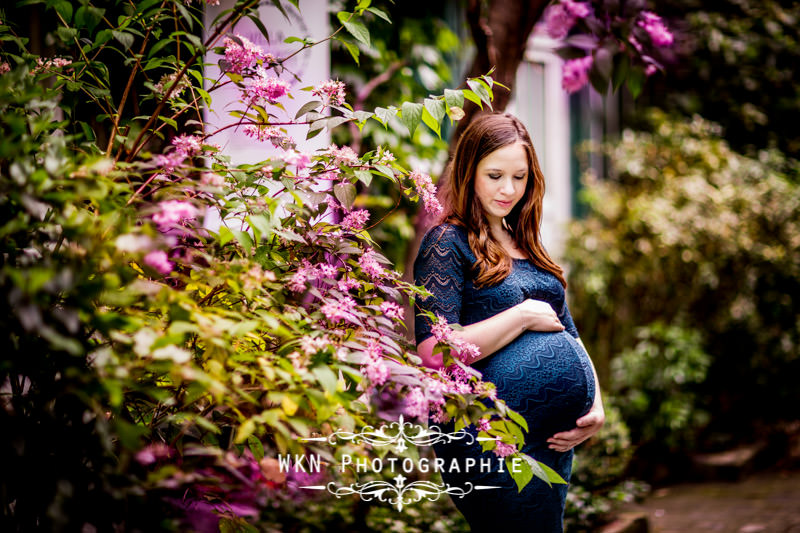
(545, 376)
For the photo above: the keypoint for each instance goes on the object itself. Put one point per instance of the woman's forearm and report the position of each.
(488, 335)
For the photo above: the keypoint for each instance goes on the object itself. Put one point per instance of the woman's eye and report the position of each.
(495, 176)
(520, 177)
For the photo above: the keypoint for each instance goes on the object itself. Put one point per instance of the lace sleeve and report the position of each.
(439, 267)
(566, 319)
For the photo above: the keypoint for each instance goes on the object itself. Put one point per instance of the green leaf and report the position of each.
(472, 97)
(66, 34)
(364, 176)
(353, 49)
(635, 81)
(432, 123)
(622, 65)
(453, 98)
(518, 418)
(411, 115)
(384, 114)
(260, 26)
(308, 106)
(381, 14)
(480, 89)
(256, 447)
(523, 474)
(64, 9)
(326, 378)
(436, 107)
(355, 28)
(345, 193)
(124, 38)
(243, 238)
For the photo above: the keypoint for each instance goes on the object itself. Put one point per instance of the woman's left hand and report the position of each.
(587, 426)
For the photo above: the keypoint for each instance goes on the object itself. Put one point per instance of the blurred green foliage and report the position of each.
(735, 64)
(688, 233)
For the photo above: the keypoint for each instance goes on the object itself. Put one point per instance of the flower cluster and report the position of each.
(167, 81)
(465, 351)
(185, 146)
(370, 266)
(276, 136)
(374, 368)
(262, 89)
(383, 156)
(240, 58)
(392, 310)
(331, 92)
(504, 450)
(576, 73)
(427, 191)
(4, 68)
(174, 212)
(338, 310)
(561, 17)
(158, 260)
(43, 65)
(355, 219)
(656, 29)
(343, 156)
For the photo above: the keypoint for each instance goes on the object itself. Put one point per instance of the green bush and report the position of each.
(686, 231)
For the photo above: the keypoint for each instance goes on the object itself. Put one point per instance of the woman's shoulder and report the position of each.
(445, 234)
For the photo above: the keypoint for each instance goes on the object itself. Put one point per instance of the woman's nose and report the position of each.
(507, 186)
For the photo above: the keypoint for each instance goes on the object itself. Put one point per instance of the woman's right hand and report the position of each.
(538, 315)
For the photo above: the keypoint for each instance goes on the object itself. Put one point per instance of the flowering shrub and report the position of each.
(606, 42)
(176, 360)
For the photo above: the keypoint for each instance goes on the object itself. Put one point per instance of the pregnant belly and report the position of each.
(546, 377)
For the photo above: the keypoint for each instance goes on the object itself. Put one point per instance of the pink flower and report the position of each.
(383, 157)
(441, 330)
(326, 270)
(4, 67)
(187, 144)
(416, 405)
(558, 21)
(374, 367)
(278, 138)
(577, 9)
(152, 453)
(370, 266)
(435, 391)
(427, 191)
(355, 220)
(504, 450)
(331, 92)
(484, 425)
(263, 89)
(167, 81)
(339, 309)
(347, 283)
(343, 156)
(650, 70)
(392, 310)
(655, 27)
(173, 212)
(576, 73)
(158, 260)
(299, 159)
(466, 351)
(240, 58)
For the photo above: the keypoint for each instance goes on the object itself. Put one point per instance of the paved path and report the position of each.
(767, 502)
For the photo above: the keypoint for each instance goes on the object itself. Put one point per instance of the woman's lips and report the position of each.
(503, 204)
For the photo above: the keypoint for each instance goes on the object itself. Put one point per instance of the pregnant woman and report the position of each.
(488, 271)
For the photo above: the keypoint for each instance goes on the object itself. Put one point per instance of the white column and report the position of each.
(543, 106)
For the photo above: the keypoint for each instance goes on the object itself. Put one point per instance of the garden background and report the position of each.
(156, 366)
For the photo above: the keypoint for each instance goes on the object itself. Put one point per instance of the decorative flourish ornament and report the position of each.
(398, 434)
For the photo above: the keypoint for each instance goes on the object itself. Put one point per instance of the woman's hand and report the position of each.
(587, 426)
(539, 316)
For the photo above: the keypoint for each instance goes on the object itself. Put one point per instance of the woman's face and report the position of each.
(500, 180)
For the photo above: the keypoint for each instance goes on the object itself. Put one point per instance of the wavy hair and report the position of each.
(483, 136)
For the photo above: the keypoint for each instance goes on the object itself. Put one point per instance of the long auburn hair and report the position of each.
(483, 136)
